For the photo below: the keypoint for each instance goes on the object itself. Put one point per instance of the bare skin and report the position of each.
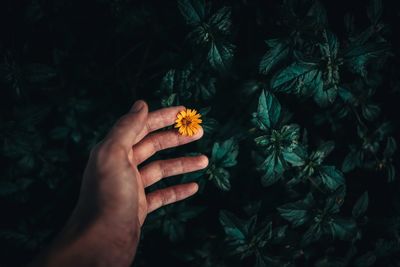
(104, 228)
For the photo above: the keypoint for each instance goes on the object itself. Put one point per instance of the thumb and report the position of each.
(125, 132)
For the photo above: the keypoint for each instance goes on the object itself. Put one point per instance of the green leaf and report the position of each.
(351, 161)
(192, 10)
(346, 95)
(324, 97)
(169, 101)
(168, 82)
(263, 235)
(273, 167)
(295, 157)
(299, 212)
(224, 154)
(220, 177)
(221, 21)
(331, 177)
(220, 55)
(288, 77)
(313, 233)
(331, 47)
(279, 50)
(233, 226)
(361, 205)
(210, 125)
(268, 111)
(323, 150)
(342, 228)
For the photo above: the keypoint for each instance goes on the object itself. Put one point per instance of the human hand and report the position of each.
(105, 225)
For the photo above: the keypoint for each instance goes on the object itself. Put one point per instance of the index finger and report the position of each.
(159, 119)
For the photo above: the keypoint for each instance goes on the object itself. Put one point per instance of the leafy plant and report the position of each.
(299, 106)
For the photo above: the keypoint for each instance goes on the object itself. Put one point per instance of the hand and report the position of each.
(104, 228)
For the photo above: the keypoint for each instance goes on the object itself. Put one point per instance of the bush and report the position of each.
(299, 100)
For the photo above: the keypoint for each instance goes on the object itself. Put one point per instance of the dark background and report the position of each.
(69, 69)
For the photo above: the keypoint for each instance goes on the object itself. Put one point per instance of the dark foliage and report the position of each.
(300, 104)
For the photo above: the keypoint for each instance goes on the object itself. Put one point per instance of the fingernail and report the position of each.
(137, 106)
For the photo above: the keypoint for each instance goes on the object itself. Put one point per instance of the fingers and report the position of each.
(133, 126)
(159, 119)
(159, 141)
(170, 195)
(126, 130)
(156, 170)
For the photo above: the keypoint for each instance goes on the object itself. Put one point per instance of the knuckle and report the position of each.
(181, 167)
(156, 143)
(163, 170)
(163, 199)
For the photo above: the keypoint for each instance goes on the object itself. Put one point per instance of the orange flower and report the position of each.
(188, 121)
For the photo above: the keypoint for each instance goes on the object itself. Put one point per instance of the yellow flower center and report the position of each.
(185, 121)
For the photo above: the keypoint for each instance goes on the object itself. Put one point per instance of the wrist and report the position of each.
(81, 242)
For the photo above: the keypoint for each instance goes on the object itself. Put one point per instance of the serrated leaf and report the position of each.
(268, 111)
(288, 77)
(224, 153)
(279, 50)
(331, 177)
(220, 177)
(221, 21)
(351, 161)
(298, 213)
(342, 228)
(233, 226)
(220, 55)
(323, 151)
(273, 167)
(295, 157)
(210, 125)
(324, 97)
(313, 233)
(331, 47)
(169, 101)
